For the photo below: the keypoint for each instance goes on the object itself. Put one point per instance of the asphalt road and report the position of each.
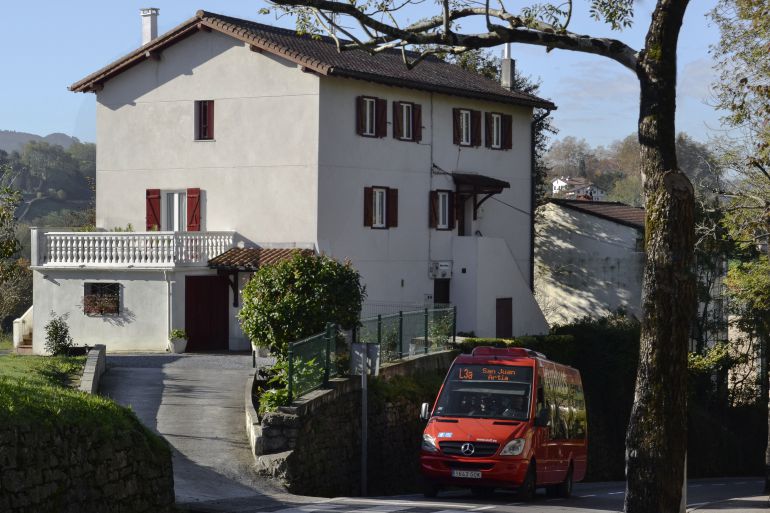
(737, 495)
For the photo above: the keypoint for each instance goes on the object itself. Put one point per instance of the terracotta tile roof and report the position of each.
(250, 259)
(321, 56)
(610, 210)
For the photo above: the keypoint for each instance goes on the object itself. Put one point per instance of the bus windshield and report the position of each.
(486, 391)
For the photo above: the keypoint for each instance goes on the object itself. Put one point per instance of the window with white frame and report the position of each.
(406, 121)
(497, 127)
(370, 109)
(465, 127)
(442, 223)
(379, 212)
(175, 218)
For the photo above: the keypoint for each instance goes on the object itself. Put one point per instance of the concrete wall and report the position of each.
(257, 177)
(585, 265)
(485, 271)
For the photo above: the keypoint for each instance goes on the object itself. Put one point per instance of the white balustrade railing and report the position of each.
(131, 249)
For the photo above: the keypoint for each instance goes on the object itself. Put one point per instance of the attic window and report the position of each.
(204, 120)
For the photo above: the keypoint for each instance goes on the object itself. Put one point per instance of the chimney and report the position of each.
(149, 24)
(508, 68)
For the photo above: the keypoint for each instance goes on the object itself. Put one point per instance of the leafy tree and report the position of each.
(15, 292)
(743, 90)
(571, 157)
(9, 244)
(85, 156)
(656, 436)
(628, 190)
(291, 300)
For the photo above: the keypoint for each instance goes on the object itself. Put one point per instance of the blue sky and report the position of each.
(50, 44)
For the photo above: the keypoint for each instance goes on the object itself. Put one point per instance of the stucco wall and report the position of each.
(585, 265)
(395, 263)
(257, 177)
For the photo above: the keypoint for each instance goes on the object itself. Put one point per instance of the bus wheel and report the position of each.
(430, 490)
(527, 489)
(564, 489)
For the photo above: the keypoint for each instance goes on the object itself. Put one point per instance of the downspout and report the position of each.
(169, 303)
(532, 196)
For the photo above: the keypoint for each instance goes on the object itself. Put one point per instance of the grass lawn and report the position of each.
(62, 371)
(6, 341)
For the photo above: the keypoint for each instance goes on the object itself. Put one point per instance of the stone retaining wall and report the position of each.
(61, 471)
(313, 446)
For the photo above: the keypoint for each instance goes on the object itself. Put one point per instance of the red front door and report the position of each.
(207, 313)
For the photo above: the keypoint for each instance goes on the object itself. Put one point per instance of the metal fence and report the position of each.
(313, 360)
(409, 333)
(372, 309)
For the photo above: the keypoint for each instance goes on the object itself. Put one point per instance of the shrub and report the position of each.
(177, 334)
(294, 299)
(307, 375)
(57, 335)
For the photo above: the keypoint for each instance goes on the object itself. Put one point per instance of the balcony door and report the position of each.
(175, 212)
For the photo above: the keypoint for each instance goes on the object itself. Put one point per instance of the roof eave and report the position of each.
(409, 84)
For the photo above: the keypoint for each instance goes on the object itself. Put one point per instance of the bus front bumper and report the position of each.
(491, 472)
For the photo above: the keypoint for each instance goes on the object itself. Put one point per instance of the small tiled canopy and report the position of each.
(251, 259)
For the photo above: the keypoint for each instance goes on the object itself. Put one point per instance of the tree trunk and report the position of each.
(656, 441)
(765, 366)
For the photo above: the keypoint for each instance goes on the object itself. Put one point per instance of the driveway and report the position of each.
(195, 401)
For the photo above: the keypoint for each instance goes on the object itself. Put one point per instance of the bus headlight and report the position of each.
(429, 444)
(513, 448)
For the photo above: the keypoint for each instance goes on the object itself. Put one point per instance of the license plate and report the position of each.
(468, 474)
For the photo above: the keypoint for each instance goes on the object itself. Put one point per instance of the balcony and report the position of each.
(127, 250)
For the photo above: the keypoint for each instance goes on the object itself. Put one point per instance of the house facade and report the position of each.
(232, 144)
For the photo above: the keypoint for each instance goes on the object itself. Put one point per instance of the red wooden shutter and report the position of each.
(417, 122)
(506, 132)
(456, 126)
(397, 120)
(152, 209)
(381, 118)
(360, 115)
(392, 208)
(475, 128)
(193, 210)
(433, 209)
(210, 119)
(368, 200)
(489, 127)
(452, 214)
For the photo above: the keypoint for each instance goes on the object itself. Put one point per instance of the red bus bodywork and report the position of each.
(466, 449)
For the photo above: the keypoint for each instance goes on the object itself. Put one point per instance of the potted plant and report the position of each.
(177, 341)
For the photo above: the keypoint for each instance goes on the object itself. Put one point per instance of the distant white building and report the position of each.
(232, 144)
(576, 188)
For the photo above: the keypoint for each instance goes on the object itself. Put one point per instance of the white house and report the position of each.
(589, 258)
(232, 143)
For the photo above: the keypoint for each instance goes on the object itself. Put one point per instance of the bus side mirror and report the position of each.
(425, 411)
(542, 418)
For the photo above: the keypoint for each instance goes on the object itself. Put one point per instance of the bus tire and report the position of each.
(564, 489)
(527, 489)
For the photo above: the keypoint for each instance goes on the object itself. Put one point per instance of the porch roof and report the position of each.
(251, 259)
(479, 184)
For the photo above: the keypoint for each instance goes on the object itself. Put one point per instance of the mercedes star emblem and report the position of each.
(467, 449)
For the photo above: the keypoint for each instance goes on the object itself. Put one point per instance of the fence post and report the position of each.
(400, 334)
(291, 371)
(426, 331)
(328, 337)
(379, 331)
(454, 324)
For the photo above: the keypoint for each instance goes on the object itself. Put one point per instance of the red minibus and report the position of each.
(506, 418)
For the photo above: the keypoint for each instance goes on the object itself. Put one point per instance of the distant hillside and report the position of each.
(15, 141)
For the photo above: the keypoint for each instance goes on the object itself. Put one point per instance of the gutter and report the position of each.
(532, 195)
